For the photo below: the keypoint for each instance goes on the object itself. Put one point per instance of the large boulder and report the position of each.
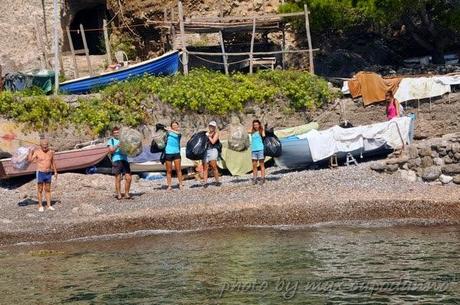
(456, 179)
(431, 173)
(378, 166)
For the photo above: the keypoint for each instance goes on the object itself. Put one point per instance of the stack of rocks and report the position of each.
(437, 160)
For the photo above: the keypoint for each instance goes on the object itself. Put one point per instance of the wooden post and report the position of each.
(173, 16)
(224, 56)
(307, 28)
(1, 79)
(44, 53)
(251, 55)
(165, 15)
(85, 46)
(72, 50)
(283, 48)
(182, 35)
(56, 45)
(107, 42)
(221, 9)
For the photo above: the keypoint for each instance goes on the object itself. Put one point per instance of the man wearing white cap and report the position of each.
(210, 159)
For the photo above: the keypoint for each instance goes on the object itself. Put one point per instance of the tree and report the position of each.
(433, 24)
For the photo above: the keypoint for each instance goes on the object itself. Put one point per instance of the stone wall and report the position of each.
(436, 160)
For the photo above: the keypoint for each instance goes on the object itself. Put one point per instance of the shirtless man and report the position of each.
(44, 157)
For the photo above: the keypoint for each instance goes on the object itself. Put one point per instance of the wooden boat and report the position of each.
(166, 64)
(65, 161)
(156, 166)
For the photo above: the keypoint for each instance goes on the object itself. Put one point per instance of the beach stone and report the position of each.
(88, 210)
(431, 173)
(451, 169)
(438, 161)
(427, 161)
(442, 152)
(424, 152)
(434, 154)
(457, 156)
(456, 179)
(413, 152)
(447, 160)
(413, 163)
(5, 221)
(405, 166)
(408, 175)
(445, 179)
(392, 167)
(456, 148)
(379, 166)
(399, 161)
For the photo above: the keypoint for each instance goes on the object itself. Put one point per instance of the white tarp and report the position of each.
(448, 79)
(420, 88)
(326, 143)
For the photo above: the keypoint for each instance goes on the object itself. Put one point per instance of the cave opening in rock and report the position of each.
(92, 20)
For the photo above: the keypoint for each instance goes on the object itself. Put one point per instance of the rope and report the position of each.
(219, 63)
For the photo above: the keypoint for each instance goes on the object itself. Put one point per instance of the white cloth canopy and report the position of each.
(420, 88)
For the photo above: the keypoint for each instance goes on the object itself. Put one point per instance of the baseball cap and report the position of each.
(213, 123)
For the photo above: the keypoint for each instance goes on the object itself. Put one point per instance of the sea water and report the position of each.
(283, 265)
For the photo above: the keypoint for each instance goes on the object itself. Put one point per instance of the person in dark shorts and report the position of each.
(172, 154)
(43, 156)
(212, 154)
(120, 165)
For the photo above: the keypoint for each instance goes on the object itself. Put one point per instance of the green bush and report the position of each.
(128, 103)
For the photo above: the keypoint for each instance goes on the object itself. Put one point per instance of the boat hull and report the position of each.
(65, 161)
(166, 64)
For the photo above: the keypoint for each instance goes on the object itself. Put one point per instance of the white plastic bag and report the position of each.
(19, 158)
(239, 138)
(130, 142)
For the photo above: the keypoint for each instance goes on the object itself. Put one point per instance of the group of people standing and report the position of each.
(172, 156)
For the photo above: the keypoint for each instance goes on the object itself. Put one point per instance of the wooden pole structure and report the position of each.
(72, 50)
(43, 55)
(221, 9)
(85, 46)
(1, 79)
(307, 28)
(182, 35)
(173, 29)
(251, 55)
(165, 15)
(224, 56)
(107, 42)
(283, 48)
(56, 45)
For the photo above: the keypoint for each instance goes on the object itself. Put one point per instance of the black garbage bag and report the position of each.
(197, 146)
(272, 145)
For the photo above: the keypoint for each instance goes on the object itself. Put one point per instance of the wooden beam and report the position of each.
(85, 46)
(248, 53)
(283, 48)
(56, 24)
(43, 53)
(107, 43)
(251, 55)
(165, 15)
(182, 35)
(235, 18)
(224, 56)
(72, 51)
(307, 28)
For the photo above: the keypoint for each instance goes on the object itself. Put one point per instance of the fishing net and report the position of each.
(239, 138)
(19, 158)
(130, 142)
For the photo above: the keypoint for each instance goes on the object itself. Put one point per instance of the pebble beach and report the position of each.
(86, 205)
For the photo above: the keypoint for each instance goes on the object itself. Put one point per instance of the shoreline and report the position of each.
(344, 195)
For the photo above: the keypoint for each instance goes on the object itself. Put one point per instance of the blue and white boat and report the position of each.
(166, 64)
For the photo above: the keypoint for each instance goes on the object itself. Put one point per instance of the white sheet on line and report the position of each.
(448, 80)
(420, 88)
(326, 143)
(345, 88)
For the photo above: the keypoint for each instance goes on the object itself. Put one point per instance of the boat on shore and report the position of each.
(317, 147)
(65, 161)
(166, 64)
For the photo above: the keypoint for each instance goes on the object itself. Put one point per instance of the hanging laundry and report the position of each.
(372, 87)
(420, 88)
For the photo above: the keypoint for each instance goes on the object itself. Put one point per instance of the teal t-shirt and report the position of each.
(173, 143)
(117, 154)
(256, 142)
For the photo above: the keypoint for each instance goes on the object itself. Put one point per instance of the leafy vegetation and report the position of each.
(432, 24)
(128, 103)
